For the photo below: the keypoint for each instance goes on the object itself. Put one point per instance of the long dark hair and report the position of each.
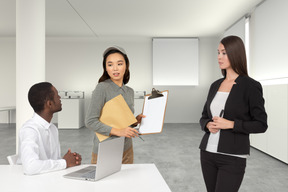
(235, 50)
(105, 74)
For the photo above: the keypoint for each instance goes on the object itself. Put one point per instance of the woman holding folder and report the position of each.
(233, 110)
(112, 83)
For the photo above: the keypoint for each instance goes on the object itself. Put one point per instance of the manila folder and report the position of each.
(117, 114)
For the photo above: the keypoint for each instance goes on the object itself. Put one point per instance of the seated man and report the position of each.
(39, 147)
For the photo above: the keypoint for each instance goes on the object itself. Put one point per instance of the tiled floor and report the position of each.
(175, 152)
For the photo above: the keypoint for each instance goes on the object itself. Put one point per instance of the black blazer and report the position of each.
(244, 106)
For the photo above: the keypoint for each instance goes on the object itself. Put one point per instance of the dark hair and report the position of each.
(105, 74)
(39, 94)
(235, 50)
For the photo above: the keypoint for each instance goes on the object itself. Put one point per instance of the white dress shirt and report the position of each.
(39, 147)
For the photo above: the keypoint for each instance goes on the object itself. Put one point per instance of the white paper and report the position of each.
(154, 110)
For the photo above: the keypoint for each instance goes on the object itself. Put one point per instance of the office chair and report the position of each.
(12, 159)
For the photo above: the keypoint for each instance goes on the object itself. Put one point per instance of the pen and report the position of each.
(139, 135)
(221, 113)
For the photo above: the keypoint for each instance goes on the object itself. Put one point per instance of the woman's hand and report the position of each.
(125, 132)
(221, 123)
(139, 118)
(212, 127)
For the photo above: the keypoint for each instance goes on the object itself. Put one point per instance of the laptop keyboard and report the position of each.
(90, 174)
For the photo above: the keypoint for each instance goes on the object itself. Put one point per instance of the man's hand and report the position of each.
(72, 159)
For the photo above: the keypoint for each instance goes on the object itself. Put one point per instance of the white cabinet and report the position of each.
(275, 141)
(72, 114)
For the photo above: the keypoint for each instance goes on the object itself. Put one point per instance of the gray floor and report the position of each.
(175, 152)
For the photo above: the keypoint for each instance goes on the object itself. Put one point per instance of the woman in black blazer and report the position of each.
(234, 109)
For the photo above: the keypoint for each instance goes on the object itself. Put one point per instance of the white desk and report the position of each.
(8, 109)
(131, 178)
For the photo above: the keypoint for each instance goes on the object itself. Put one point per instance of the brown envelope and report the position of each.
(117, 114)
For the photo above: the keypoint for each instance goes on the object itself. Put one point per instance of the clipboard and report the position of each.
(154, 108)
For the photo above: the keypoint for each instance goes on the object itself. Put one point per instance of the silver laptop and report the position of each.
(109, 161)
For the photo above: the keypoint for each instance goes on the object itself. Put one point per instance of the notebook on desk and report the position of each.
(109, 161)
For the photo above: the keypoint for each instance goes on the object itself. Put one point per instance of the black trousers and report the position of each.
(222, 173)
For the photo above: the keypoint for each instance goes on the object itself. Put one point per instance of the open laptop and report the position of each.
(109, 161)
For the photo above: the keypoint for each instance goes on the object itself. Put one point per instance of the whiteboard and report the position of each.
(154, 110)
(175, 61)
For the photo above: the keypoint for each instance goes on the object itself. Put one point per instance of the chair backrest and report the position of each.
(12, 159)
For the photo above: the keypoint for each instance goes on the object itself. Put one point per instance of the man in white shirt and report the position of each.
(39, 147)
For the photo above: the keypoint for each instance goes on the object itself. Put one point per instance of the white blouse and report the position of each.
(217, 105)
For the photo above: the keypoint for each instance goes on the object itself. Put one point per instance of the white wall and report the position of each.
(275, 140)
(7, 76)
(268, 40)
(237, 29)
(268, 60)
(76, 65)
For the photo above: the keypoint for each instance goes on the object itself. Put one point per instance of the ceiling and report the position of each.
(146, 18)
